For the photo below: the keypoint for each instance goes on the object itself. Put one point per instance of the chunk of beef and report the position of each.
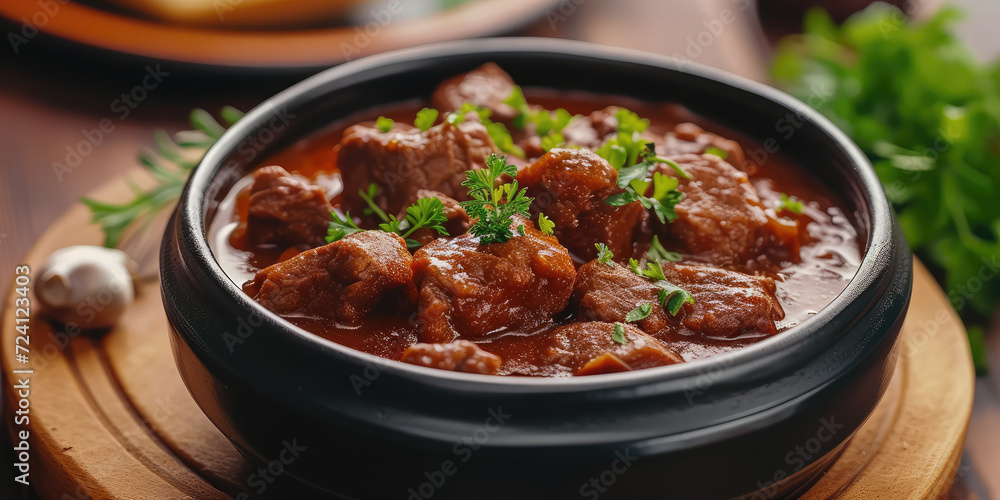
(471, 290)
(688, 138)
(457, 222)
(458, 356)
(592, 130)
(721, 220)
(570, 187)
(590, 349)
(487, 86)
(343, 281)
(727, 303)
(405, 160)
(606, 291)
(286, 209)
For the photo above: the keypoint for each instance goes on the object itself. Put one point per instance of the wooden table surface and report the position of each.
(52, 94)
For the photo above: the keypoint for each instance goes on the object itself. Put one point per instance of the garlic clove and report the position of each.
(88, 286)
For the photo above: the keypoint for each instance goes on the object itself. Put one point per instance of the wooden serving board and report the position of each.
(110, 417)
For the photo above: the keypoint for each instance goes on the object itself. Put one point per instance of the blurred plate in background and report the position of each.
(264, 34)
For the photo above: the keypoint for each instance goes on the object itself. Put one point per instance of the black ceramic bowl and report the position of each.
(760, 422)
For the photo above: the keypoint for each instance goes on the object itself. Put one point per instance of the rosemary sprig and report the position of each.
(170, 166)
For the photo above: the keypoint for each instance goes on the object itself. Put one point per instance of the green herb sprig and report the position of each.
(170, 166)
(670, 296)
(426, 212)
(492, 208)
(634, 181)
(549, 124)
(619, 334)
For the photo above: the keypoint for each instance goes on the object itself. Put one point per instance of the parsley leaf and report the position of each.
(497, 131)
(502, 138)
(619, 335)
(639, 313)
(492, 208)
(369, 197)
(518, 102)
(548, 124)
(793, 205)
(425, 119)
(426, 212)
(671, 296)
(604, 254)
(657, 252)
(384, 124)
(712, 150)
(340, 227)
(633, 180)
(634, 266)
(545, 225)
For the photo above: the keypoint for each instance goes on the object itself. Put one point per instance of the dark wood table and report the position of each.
(53, 96)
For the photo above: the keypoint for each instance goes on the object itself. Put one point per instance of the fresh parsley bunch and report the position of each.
(927, 114)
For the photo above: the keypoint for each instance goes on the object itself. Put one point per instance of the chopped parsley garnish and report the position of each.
(627, 145)
(384, 124)
(492, 208)
(633, 157)
(548, 124)
(634, 266)
(791, 204)
(496, 130)
(426, 212)
(639, 313)
(671, 296)
(502, 138)
(369, 197)
(657, 252)
(604, 254)
(340, 227)
(619, 335)
(712, 150)
(545, 225)
(425, 119)
(634, 182)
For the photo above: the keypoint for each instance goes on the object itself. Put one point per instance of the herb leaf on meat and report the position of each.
(791, 204)
(619, 334)
(340, 227)
(425, 119)
(384, 124)
(604, 254)
(671, 296)
(640, 313)
(545, 225)
(492, 208)
(426, 212)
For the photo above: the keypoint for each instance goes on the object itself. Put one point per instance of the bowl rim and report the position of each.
(876, 255)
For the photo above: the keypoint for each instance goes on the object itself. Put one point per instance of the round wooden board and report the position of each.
(110, 417)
